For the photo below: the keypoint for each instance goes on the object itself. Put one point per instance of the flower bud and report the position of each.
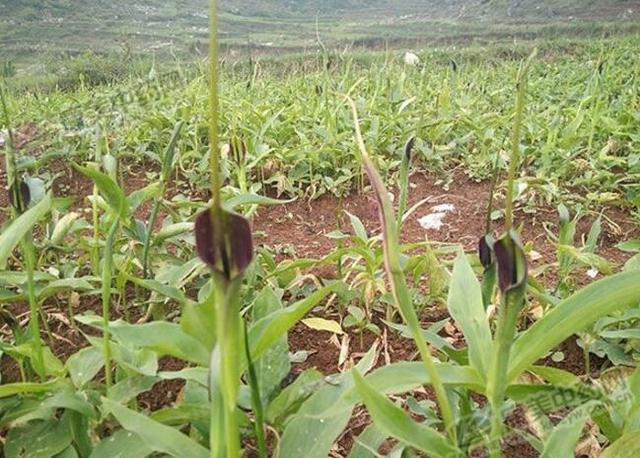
(229, 252)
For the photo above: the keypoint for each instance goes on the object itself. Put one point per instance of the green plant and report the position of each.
(23, 195)
(357, 318)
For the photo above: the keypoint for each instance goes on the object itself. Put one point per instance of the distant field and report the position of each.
(33, 33)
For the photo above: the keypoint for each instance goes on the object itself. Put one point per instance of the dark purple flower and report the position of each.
(24, 196)
(512, 262)
(484, 251)
(408, 148)
(232, 250)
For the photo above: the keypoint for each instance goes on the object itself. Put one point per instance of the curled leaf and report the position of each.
(563, 213)
(238, 150)
(408, 148)
(512, 262)
(231, 251)
(485, 247)
(23, 195)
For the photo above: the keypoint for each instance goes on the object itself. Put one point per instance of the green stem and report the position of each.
(147, 241)
(10, 166)
(229, 322)
(434, 376)
(512, 301)
(391, 245)
(10, 159)
(404, 186)
(255, 399)
(107, 270)
(95, 250)
(214, 104)
(27, 243)
(514, 161)
(30, 262)
(492, 191)
(218, 217)
(497, 385)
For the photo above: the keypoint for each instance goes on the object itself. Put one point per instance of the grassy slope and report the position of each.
(32, 29)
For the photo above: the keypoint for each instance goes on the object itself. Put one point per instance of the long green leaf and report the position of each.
(40, 439)
(12, 389)
(291, 397)
(466, 307)
(156, 436)
(182, 414)
(562, 441)
(84, 365)
(573, 315)
(318, 416)
(252, 199)
(404, 376)
(11, 237)
(113, 194)
(395, 421)
(395, 273)
(160, 336)
(368, 442)
(65, 284)
(268, 330)
(628, 446)
(170, 151)
(167, 291)
(122, 444)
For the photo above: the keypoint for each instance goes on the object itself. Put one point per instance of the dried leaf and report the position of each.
(344, 350)
(320, 324)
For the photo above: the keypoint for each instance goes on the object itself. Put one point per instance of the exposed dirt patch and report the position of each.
(165, 392)
(574, 359)
(304, 226)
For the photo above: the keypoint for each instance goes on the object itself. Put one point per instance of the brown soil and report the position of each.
(574, 359)
(304, 225)
(166, 392)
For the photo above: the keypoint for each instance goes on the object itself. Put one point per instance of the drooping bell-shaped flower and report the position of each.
(485, 247)
(512, 263)
(19, 197)
(230, 252)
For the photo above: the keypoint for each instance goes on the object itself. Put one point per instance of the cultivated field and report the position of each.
(378, 259)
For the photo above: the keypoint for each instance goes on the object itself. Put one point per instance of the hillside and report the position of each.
(33, 29)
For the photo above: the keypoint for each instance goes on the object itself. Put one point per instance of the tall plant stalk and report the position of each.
(214, 136)
(225, 440)
(107, 276)
(34, 309)
(229, 327)
(10, 163)
(403, 179)
(95, 214)
(27, 246)
(391, 243)
(224, 242)
(167, 167)
(512, 273)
